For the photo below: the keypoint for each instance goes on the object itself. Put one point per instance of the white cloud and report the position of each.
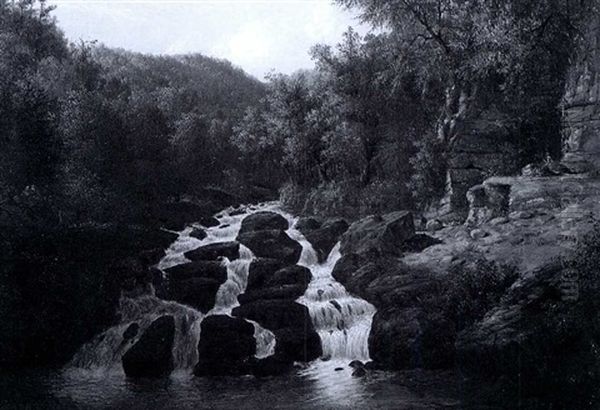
(258, 35)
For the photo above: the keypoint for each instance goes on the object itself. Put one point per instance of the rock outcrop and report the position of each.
(151, 355)
(378, 235)
(476, 156)
(581, 107)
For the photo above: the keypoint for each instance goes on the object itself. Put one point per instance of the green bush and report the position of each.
(474, 288)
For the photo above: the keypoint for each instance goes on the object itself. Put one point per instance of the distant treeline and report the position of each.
(91, 134)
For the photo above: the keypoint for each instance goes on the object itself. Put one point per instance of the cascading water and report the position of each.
(343, 322)
(105, 351)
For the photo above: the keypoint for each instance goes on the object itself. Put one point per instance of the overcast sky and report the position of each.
(257, 35)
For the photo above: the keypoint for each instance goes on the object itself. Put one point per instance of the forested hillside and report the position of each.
(98, 135)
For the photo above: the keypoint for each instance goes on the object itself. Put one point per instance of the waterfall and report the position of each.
(104, 352)
(342, 321)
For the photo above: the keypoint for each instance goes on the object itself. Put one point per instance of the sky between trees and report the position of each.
(257, 35)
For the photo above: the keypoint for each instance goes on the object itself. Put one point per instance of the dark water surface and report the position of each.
(317, 387)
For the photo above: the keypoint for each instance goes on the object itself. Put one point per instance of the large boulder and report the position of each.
(298, 344)
(199, 293)
(198, 233)
(215, 251)
(151, 356)
(290, 275)
(324, 238)
(199, 269)
(261, 221)
(379, 235)
(295, 336)
(226, 347)
(260, 270)
(274, 244)
(288, 283)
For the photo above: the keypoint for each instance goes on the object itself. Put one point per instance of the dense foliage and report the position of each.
(382, 114)
(98, 135)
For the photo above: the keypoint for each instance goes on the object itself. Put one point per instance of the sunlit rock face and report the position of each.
(581, 106)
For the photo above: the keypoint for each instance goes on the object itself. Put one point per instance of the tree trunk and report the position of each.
(457, 109)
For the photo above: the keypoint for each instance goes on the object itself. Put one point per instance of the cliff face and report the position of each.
(482, 152)
(581, 106)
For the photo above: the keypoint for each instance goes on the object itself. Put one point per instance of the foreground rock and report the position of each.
(263, 221)
(379, 235)
(325, 237)
(226, 348)
(290, 322)
(408, 338)
(540, 339)
(275, 244)
(215, 251)
(151, 355)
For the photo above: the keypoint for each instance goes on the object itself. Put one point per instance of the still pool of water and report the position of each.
(319, 386)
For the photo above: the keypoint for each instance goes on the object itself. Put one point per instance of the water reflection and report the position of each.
(318, 386)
